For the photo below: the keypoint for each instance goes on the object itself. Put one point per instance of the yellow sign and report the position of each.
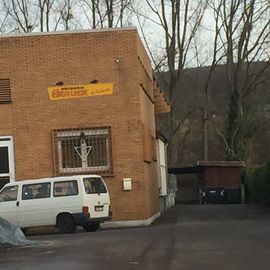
(79, 91)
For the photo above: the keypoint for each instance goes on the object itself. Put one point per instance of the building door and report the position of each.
(7, 173)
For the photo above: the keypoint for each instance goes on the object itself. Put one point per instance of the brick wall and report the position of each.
(35, 62)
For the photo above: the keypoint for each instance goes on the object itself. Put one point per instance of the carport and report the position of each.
(218, 181)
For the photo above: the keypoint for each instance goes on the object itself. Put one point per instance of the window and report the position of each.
(4, 164)
(5, 93)
(9, 194)
(83, 150)
(65, 188)
(94, 185)
(36, 191)
(4, 180)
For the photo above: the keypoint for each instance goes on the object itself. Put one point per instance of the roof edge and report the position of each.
(220, 163)
(68, 32)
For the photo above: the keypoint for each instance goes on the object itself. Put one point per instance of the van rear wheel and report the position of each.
(91, 227)
(65, 223)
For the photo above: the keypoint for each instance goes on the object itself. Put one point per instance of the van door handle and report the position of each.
(17, 203)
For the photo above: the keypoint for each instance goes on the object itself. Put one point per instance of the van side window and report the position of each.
(65, 188)
(36, 191)
(94, 185)
(9, 194)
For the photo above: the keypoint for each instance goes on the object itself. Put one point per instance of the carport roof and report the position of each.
(220, 163)
(200, 165)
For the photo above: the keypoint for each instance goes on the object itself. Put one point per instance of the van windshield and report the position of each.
(9, 194)
(94, 185)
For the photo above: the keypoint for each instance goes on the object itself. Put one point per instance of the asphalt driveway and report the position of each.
(190, 237)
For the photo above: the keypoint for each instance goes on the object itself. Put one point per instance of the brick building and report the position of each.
(83, 102)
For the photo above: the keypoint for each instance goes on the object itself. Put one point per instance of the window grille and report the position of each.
(5, 92)
(86, 150)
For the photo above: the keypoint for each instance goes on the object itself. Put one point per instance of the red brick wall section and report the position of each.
(35, 62)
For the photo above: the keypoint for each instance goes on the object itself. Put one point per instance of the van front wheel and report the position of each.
(65, 223)
(91, 227)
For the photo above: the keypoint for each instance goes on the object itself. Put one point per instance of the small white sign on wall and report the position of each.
(127, 184)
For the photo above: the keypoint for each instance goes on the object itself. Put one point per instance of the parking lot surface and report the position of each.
(190, 237)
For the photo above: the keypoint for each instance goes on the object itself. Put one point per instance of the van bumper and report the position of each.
(82, 219)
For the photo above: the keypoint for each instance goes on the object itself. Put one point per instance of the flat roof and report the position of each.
(200, 165)
(68, 32)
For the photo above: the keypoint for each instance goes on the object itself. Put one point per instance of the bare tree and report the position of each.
(178, 22)
(22, 12)
(45, 9)
(65, 14)
(215, 54)
(95, 13)
(244, 36)
(90, 9)
(42, 15)
(3, 19)
(107, 13)
(239, 40)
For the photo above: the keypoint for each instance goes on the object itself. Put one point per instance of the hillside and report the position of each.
(187, 143)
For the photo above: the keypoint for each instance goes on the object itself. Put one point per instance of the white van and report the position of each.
(65, 202)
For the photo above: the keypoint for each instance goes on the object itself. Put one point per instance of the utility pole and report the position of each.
(205, 135)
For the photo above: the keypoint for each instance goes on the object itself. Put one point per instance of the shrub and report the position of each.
(257, 182)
